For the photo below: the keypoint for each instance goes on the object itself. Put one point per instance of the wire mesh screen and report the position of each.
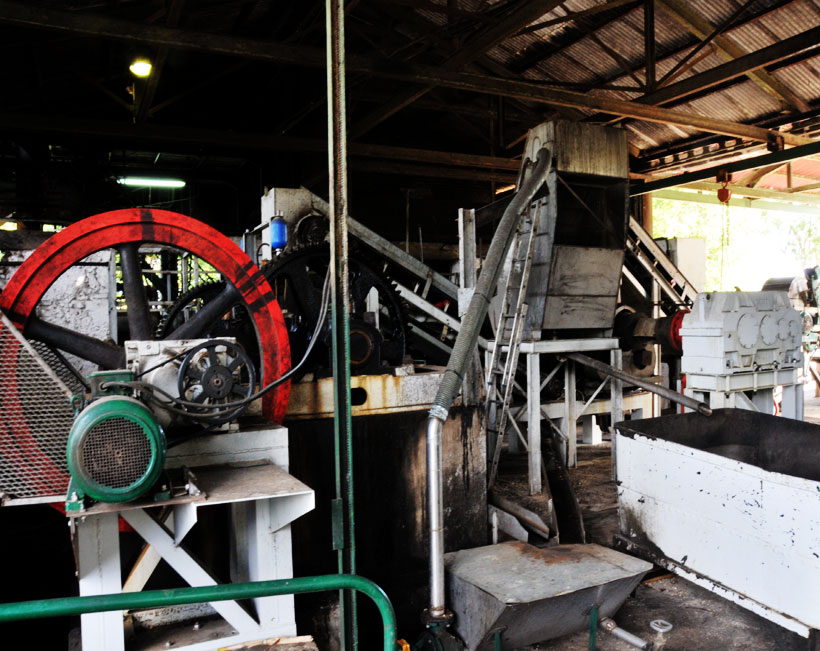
(35, 418)
(115, 453)
(60, 366)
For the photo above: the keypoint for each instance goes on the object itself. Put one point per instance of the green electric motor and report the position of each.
(116, 450)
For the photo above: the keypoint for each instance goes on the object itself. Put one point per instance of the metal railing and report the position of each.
(206, 594)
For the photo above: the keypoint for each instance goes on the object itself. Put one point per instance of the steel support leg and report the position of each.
(98, 570)
(534, 421)
(616, 392)
(570, 414)
(337, 172)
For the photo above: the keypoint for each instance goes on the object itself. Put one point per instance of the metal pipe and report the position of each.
(340, 299)
(608, 624)
(207, 594)
(673, 396)
(485, 287)
(519, 512)
(454, 374)
(435, 510)
(593, 628)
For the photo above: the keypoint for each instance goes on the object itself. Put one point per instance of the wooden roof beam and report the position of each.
(425, 76)
(246, 141)
(672, 54)
(702, 28)
(757, 193)
(706, 173)
(172, 18)
(806, 43)
(487, 38)
(758, 175)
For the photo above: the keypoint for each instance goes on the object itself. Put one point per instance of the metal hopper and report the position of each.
(534, 594)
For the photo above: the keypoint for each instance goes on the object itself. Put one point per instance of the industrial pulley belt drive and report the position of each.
(125, 231)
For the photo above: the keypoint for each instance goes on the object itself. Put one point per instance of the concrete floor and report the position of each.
(701, 620)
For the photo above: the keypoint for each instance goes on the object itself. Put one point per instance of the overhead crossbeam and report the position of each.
(21, 14)
(779, 157)
(687, 16)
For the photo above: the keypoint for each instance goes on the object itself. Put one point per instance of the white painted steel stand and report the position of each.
(264, 500)
(753, 391)
(563, 416)
(571, 410)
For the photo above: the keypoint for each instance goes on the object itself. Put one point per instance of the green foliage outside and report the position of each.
(744, 246)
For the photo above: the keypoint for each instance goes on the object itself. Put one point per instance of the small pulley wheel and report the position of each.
(216, 373)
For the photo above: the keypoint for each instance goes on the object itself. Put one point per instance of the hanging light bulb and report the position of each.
(140, 67)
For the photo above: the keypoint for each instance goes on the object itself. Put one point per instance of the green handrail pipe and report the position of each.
(207, 594)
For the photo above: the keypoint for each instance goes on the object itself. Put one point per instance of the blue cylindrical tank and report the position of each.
(278, 233)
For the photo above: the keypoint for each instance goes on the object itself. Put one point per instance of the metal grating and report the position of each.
(35, 418)
(115, 453)
(67, 374)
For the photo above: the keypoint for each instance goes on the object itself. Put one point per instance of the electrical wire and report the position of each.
(226, 408)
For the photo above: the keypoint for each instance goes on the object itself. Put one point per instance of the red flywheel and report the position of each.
(125, 230)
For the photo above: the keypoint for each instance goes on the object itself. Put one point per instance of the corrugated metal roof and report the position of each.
(571, 52)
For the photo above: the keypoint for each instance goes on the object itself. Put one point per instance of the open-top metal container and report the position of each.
(732, 503)
(527, 594)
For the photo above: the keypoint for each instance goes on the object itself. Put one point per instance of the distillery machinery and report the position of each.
(167, 431)
(154, 367)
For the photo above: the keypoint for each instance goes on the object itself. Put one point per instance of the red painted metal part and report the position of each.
(674, 329)
(106, 230)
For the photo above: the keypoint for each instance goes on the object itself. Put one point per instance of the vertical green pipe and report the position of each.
(593, 627)
(344, 522)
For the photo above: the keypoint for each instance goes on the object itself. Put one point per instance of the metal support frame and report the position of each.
(571, 412)
(261, 538)
(98, 572)
(782, 157)
(753, 391)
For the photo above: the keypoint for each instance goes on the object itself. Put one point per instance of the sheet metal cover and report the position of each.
(516, 572)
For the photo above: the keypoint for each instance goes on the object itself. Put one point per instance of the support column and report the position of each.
(534, 421)
(570, 414)
(471, 389)
(791, 405)
(98, 571)
(616, 389)
(763, 400)
(343, 513)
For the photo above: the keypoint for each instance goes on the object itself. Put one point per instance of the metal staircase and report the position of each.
(642, 248)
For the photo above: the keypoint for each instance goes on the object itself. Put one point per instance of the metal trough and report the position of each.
(532, 594)
(730, 502)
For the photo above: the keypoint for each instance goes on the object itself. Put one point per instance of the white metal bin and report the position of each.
(730, 502)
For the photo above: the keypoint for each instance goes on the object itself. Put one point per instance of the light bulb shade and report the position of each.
(140, 67)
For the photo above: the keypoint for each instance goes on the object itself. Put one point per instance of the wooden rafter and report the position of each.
(702, 28)
(675, 54)
(522, 15)
(758, 175)
(807, 43)
(585, 27)
(16, 13)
